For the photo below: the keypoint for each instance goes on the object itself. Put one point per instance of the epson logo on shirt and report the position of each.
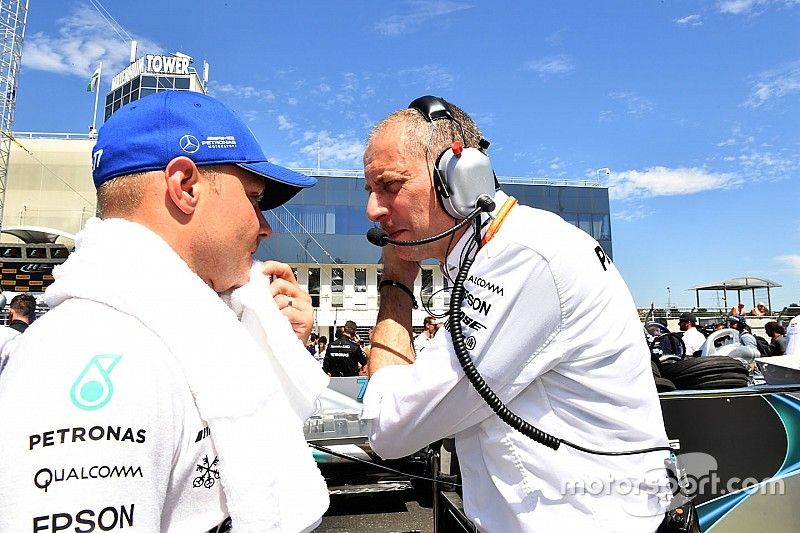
(477, 304)
(87, 520)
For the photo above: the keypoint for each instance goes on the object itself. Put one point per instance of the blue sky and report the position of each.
(692, 106)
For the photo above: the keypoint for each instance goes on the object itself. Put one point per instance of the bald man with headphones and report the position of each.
(557, 337)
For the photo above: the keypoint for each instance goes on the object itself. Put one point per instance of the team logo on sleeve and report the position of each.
(93, 388)
(208, 473)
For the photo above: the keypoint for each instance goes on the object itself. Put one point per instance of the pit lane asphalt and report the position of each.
(391, 512)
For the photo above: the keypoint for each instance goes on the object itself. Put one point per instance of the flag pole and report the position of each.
(97, 97)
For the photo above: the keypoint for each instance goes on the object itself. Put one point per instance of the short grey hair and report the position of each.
(441, 133)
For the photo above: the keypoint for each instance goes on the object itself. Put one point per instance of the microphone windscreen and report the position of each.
(377, 236)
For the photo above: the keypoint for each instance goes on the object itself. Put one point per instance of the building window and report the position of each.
(427, 283)
(182, 84)
(361, 280)
(330, 223)
(602, 228)
(585, 223)
(337, 287)
(313, 286)
(337, 280)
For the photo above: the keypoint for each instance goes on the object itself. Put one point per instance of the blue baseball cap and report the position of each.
(149, 133)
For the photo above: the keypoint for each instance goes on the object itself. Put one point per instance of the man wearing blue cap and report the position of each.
(167, 387)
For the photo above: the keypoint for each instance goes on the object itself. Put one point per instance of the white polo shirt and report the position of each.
(554, 331)
(422, 341)
(693, 340)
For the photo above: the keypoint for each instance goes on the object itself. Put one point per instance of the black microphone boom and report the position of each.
(377, 236)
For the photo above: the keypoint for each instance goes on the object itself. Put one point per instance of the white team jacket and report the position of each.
(554, 331)
(82, 454)
(143, 402)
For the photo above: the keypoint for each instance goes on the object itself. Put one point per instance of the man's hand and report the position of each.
(398, 269)
(294, 302)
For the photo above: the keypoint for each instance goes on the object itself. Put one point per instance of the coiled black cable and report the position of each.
(477, 381)
(483, 389)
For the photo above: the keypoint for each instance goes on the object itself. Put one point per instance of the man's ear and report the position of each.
(182, 176)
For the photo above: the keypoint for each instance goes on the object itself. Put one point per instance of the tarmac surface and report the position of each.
(389, 512)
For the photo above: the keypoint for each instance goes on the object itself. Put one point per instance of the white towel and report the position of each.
(270, 479)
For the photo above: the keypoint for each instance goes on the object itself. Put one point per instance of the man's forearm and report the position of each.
(391, 338)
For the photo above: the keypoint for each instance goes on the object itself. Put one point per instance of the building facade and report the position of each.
(152, 74)
(320, 233)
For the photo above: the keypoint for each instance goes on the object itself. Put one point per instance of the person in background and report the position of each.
(21, 312)
(311, 344)
(692, 338)
(749, 346)
(759, 310)
(737, 310)
(777, 336)
(344, 356)
(322, 346)
(430, 327)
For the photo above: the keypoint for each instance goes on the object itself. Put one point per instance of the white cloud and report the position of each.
(758, 161)
(420, 14)
(792, 261)
(691, 20)
(242, 91)
(341, 151)
(636, 212)
(552, 65)
(431, 76)
(775, 83)
(284, 123)
(250, 115)
(663, 181)
(557, 164)
(737, 7)
(766, 166)
(84, 39)
(606, 115)
(634, 104)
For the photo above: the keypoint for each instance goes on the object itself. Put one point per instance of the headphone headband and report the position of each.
(432, 108)
(460, 177)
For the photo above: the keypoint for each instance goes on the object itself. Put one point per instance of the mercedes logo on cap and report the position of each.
(189, 144)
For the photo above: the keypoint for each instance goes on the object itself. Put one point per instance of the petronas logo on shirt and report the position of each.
(93, 388)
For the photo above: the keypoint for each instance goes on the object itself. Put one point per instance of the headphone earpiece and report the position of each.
(468, 175)
(461, 175)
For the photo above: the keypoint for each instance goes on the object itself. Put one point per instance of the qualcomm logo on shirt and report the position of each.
(93, 388)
